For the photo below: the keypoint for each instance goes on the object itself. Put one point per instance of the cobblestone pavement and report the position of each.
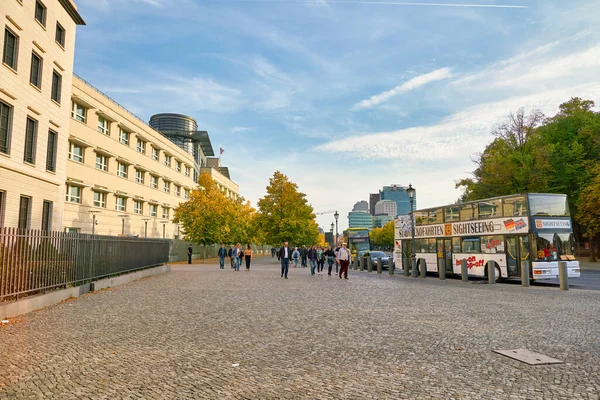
(177, 336)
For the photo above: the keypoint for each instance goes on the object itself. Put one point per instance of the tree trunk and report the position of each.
(204, 259)
(592, 248)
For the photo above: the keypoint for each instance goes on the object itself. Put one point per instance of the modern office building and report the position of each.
(35, 91)
(361, 206)
(121, 172)
(360, 219)
(388, 207)
(373, 199)
(380, 220)
(399, 195)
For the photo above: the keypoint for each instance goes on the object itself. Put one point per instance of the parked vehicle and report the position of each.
(375, 255)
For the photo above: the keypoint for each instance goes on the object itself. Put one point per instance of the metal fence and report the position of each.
(34, 261)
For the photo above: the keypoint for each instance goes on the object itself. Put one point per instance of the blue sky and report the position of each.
(343, 97)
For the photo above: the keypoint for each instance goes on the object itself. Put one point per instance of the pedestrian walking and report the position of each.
(295, 256)
(303, 256)
(272, 252)
(344, 259)
(320, 260)
(248, 256)
(312, 258)
(239, 254)
(222, 254)
(337, 262)
(189, 254)
(231, 254)
(284, 254)
(330, 259)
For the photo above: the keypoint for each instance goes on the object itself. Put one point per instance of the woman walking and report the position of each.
(248, 256)
(312, 257)
(320, 260)
(330, 259)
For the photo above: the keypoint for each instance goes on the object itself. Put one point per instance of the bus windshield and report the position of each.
(550, 246)
(548, 205)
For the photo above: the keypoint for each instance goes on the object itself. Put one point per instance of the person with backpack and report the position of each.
(295, 256)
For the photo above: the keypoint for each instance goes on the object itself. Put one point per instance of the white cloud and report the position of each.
(239, 129)
(457, 136)
(412, 84)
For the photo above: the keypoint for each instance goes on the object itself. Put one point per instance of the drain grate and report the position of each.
(528, 357)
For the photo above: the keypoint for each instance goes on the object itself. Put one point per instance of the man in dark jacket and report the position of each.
(231, 254)
(285, 254)
(312, 256)
(189, 254)
(222, 254)
(303, 256)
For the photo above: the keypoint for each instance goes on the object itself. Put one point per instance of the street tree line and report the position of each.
(535, 153)
(283, 214)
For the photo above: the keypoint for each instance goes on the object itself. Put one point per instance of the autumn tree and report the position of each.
(588, 213)
(383, 237)
(284, 214)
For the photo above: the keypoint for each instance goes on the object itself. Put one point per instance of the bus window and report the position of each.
(548, 205)
(436, 216)
(544, 247)
(456, 245)
(564, 244)
(490, 209)
(492, 244)
(421, 218)
(470, 245)
(468, 212)
(452, 214)
(432, 245)
(515, 207)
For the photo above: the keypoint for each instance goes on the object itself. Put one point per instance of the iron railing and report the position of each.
(33, 261)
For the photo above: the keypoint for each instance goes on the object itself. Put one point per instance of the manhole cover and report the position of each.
(528, 357)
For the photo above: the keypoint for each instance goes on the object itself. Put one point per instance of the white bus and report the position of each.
(507, 231)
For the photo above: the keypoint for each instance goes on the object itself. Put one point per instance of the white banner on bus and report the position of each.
(553, 223)
(469, 228)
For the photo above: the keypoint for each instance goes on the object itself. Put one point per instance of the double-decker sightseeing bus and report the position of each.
(358, 240)
(507, 231)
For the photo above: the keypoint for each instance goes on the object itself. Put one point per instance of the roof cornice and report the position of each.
(72, 11)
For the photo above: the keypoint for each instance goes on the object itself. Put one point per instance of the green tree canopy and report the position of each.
(284, 214)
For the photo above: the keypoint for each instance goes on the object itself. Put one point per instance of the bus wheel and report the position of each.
(498, 273)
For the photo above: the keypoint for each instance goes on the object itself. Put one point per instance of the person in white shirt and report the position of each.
(285, 253)
(343, 257)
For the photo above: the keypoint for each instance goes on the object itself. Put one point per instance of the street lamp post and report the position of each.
(411, 197)
(332, 244)
(336, 216)
(145, 226)
(93, 212)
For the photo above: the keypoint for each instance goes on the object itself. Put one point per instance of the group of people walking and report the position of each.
(236, 254)
(317, 256)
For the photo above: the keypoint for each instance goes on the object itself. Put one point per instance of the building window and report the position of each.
(167, 187)
(5, 127)
(177, 190)
(122, 170)
(75, 152)
(46, 215)
(78, 112)
(103, 125)
(40, 12)
(167, 160)
(2, 201)
(73, 194)
(187, 171)
(120, 204)
(51, 152)
(24, 211)
(56, 86)
(152, 211)
(73, 230)
(155, 154)
(154, 182)
(141, 146)
(99, 199)
(165, 212)
(177, 166)
(186, 194)
(101, 162)
(11, 47)
(139, 176)
(35, 75)
(60, 35)
(138, 207)
(30, 141)
(124, 137)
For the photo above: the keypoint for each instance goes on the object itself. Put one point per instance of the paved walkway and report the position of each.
(176, 336)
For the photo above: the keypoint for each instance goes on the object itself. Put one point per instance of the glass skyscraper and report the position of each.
(399, 195)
